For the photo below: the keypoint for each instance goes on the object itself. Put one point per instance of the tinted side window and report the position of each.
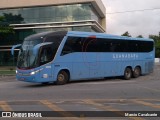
(114, 45)
(73, 44)
(104, 45)
(46, 55)
(146, 46)
(133, 46)
(90, 45)
(140, 46)
(81, 44)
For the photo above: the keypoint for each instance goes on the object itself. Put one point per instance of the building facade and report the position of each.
(33, 16)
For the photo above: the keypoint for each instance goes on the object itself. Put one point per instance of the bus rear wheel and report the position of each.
(62, 78)
(127, 73)
(136, 72)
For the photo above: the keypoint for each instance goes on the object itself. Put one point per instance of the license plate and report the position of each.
(22, 79)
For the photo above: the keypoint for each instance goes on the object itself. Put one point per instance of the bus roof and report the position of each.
(44, 34)
(83, 34)
(103, 35)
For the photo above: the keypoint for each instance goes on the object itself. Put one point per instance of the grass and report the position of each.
(7, 72)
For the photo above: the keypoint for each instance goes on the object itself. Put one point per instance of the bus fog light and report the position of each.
(45, 75)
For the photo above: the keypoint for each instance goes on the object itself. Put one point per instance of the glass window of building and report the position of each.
(35, 19)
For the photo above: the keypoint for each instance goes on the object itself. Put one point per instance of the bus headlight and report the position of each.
(32, 73)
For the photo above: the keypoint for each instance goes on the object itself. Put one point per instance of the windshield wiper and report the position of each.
(28, 58)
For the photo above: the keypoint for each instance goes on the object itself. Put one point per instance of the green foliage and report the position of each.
(139, 36)
(13, 19)
(4, 27)
(126, 34)
(1, 18)
(6, 30)
(156, 39)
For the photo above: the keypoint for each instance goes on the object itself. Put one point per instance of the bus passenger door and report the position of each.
(46, 57)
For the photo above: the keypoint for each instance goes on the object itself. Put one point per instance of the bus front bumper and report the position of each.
(27, 76)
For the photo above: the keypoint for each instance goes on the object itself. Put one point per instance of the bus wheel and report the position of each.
(136, 72)
(62, 78)
(127, 73)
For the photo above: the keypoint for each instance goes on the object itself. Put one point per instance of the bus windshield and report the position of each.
(26, 58)
(47, 48)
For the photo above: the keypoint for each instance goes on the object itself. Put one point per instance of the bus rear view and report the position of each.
(66, 56)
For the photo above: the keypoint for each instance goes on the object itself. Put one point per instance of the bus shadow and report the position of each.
(107, 79)
(97, 80)
(38, 85)
(41, 85)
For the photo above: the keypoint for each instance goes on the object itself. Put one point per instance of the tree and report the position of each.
(1, 18)
(4, 27)
(13, 19)
(156, 39)
(8, 19)
(7, 33)
(139, 36)
(126, 34)
(5, 30)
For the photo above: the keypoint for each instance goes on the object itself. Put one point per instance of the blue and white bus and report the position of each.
(64, 56)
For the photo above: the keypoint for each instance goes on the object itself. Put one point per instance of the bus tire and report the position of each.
(136, 72)
(127, 73)
(62, 78)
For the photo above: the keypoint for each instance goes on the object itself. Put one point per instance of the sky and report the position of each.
(143, 23)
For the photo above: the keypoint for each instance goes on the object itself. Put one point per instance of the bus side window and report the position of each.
(66, 50)
(73, 44)
(46, 55)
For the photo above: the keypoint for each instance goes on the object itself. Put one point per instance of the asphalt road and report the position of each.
(112, 94)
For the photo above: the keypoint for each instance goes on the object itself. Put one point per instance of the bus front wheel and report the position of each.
(62, 78)
(127, 73)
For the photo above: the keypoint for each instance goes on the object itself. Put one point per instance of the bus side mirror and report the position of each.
(35, 49)
(13, 47)
(38, 46)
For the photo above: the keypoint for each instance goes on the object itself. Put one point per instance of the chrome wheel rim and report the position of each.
(60, 77)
